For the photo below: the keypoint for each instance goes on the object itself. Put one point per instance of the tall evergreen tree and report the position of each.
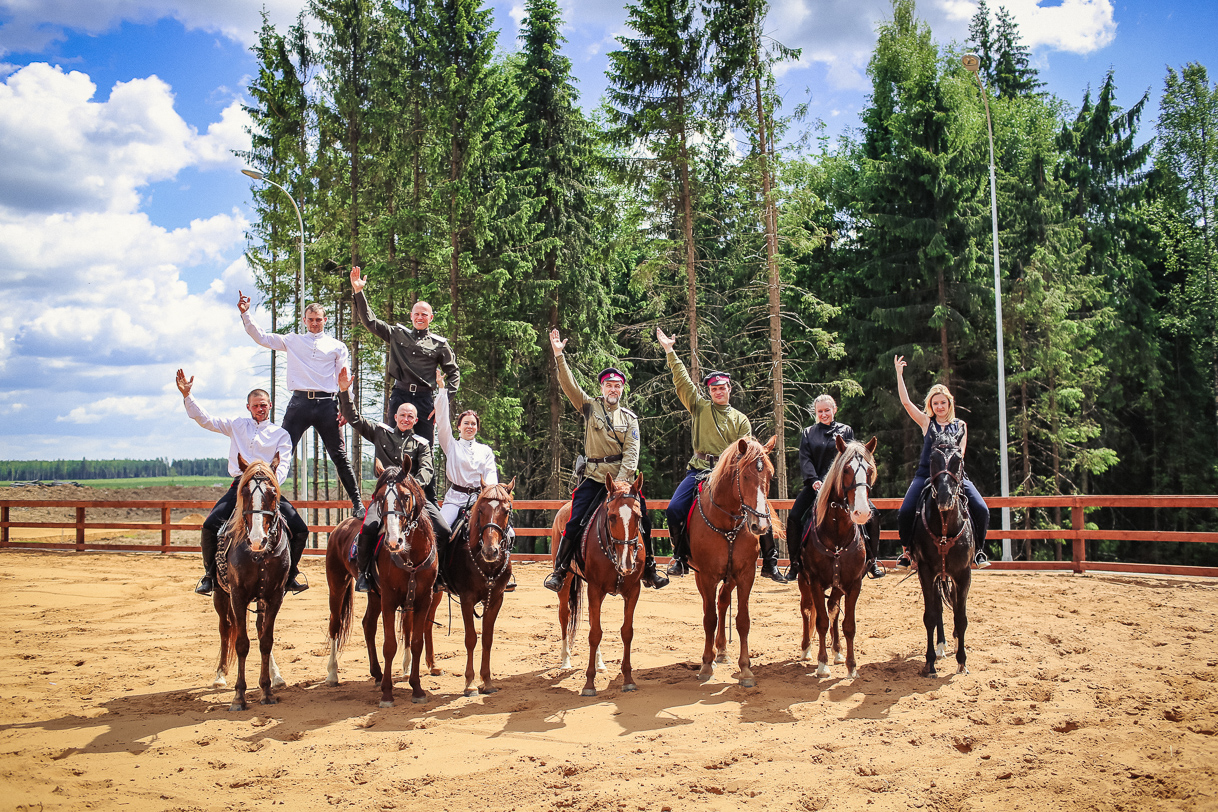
(1013, 74)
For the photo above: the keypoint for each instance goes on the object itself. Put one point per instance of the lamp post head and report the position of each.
(252, 173)
(972, 63)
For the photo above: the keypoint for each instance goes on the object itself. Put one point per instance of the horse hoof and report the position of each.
(270, 700)
(930, 673)
(628, 687)
(418, 700)
(588, 692)
(748, 682)
(705, 675)
(487, 690)
(940, 651)
(565, 664)
(721, 657)
(236, 706)
(838, 659)
(822, 670)
(220, 682)
(470, 692)
(386, 703)
(962, 669)
(332, 683)
(807, 655)
(854, 673)
(435, 672)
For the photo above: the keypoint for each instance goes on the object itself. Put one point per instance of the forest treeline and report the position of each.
(33, 470)
(454, 171)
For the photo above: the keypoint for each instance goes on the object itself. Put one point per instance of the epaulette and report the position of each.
(628, 412)
(439, 338)
(421, 439)
(386, 427)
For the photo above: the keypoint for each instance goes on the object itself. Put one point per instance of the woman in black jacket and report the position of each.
(817, 450)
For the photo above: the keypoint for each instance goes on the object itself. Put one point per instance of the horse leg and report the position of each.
(743, 623)
(488, 640)
(725, 601)
(243, 650)
(822, 629)
(266, 644)
(388, 613)
(372, 614)
(223, 607)
(806, 611)
(834, 608)
(414, 622)
(940, 639)
(564, 616)
(932, 617)
(471, 641)
(595, 598)
(632, 599)
(849, 626)
(340, 609)
(960, 616)
(436, 598)
(709, 617)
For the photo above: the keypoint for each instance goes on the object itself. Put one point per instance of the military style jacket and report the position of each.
(608, 430)
(818, 449)
(389, 441)
(714, 427)
(413, 354)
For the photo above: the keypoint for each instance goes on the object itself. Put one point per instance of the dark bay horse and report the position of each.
(726, 523)
(943, 550)
(341, 572)
(834, 556)
(478, 569)
(612, 554)
(252, 564)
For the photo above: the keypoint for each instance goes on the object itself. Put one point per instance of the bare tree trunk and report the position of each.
(769, 221)
(554, 395)
(945, 357)
(687, 216)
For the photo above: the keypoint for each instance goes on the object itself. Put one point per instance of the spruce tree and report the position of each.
(1013, 74)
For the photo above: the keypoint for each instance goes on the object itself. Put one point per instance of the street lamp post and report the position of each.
(256, 175)
(973, 65)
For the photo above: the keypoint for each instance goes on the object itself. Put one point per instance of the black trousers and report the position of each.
(422, 399)
(587, 497)
(372, 529)
(304, 412)
(297, 529)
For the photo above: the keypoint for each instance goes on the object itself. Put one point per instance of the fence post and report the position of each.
(4, 526)
(165, 531)
(1078, 523)
(80, 529)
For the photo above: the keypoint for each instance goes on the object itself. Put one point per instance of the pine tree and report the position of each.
(1013, 74)
(981, 40)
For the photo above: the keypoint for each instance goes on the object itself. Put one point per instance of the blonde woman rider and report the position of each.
(936, 418)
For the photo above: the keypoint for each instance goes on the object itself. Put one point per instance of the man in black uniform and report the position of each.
(817, 451)
(414, 355)
(392, 443)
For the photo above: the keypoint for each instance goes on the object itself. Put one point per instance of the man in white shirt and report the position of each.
(254, 438)
(314, 361)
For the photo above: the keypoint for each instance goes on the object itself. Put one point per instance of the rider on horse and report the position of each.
(252, 438)
(937, 419)
(817, 450)
(392, 443)
(716, 425)
(611, 446)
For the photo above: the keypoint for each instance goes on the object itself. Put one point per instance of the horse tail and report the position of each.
(947, 590)
(575, 597)
(345, 611)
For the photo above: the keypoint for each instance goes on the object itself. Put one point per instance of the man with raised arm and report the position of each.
(611, 445)
(716, 425)
(391, 444)
(314, 361)
(255, 438)
(414, 354)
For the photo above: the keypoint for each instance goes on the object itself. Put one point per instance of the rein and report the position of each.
(505, 551)
(606, 541)
(738, 519)
(835, 555)
(400, 560)
(943, 542)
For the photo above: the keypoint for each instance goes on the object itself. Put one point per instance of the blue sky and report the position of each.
(122, 211)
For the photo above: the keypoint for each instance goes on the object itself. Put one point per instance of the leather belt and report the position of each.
(711, 458)
(610, 458)
(410, 387)
(463, 489)
(315, 394)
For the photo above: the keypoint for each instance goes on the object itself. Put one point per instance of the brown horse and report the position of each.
(943, 550)
(341, 572)
(252, 565)
(478, 567)
(730, 515)
(834, 556)
(612, 557)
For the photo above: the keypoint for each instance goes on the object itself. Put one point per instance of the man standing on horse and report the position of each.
(314, 361)
(716, 425)
(393, 444)
(611, 445)
(253, 438)
(414, 355)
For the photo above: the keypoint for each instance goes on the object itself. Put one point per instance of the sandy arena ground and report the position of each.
(1094, 692)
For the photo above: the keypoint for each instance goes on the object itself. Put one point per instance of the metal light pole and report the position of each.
(973, 65)
(256, 175)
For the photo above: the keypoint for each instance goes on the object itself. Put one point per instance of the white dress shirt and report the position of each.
(251, 439)
(467, 463)
(314, 359)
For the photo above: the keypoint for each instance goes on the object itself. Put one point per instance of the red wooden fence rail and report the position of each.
(1077, 506)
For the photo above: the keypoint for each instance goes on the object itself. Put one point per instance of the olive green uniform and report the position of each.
(609, 431)
(714, 427)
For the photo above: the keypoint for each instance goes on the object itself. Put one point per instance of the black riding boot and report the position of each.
(769, 558)
(363, 556)
(209, 540)
(796, 551)
(871, 541)
(680, 550)
(297, 545)
(562, 565)
(443, 537)
(651, 578)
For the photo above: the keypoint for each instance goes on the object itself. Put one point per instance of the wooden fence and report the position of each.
(1077, 506)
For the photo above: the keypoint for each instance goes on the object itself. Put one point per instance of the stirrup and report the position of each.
(651, 576)
(297, 584)
(981, 560)
(362, 583)
(904, 563)
(555, 579)
(770, 571)
(874, 569)
(677, 568)
(206, 585)
(511, 584)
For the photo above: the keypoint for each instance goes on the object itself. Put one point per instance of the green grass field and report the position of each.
(150, 482)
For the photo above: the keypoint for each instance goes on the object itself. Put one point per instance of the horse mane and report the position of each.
(475, 510)
(239, 533)
(832, 482)
(727, 459)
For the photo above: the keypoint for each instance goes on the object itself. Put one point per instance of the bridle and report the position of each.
(474, 551)
(944, 543)
(856, 536)
(257, 486)
(609, 542)
(739, 520)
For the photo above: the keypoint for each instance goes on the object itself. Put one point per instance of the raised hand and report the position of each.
(184, 385)
(665, 342)
(344, 380)
(556, 343)
(439, 378)
(899, 362)
(357, 283)
(243, 303)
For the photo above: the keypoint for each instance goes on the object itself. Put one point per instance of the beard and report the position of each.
(612, 400)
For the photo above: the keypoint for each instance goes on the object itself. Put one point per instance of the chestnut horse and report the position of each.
(478, 567)
(726, 523)
(834, 556)
(341, 572)
(612, 555)
(943, 550)
(252, 564)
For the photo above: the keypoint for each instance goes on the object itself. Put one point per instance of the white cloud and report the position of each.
(1076, 26)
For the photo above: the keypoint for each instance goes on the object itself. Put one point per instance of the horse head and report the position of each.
(623, 521)
(946, 473)
(850, 479)
(490, 520)
(753, 476)
(400, 499)
(257, 502)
